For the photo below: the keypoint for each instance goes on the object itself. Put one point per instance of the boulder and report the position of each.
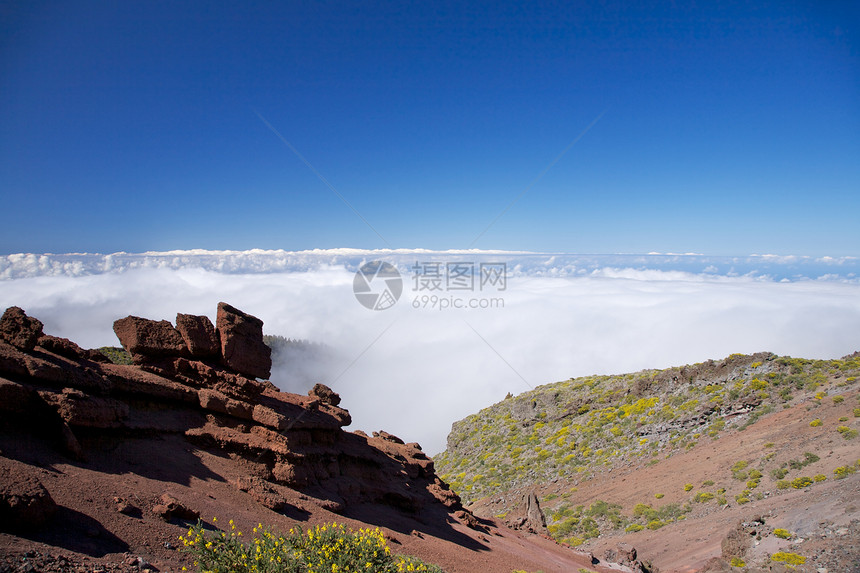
(143, 337)
(325, 394)
(126, 507)
(20, 330)
(199, 335)
(626, 553)
(170, 507)
(242, 346)
(25, 504)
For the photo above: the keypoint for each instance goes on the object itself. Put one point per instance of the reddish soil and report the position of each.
(90, 534)
(825, 517)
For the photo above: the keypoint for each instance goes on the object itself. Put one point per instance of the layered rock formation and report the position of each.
(201, 381)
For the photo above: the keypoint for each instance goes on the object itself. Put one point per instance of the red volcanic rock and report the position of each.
(80, 409)
(14, 397)
(20, 330)
(387, 437)
(171, 507)
(325, 394)
(291, 449)
(67, 348)
(199, 335)
(265, 493)
(218, 402)
(24, 501)
(143, 337)
(242, 346)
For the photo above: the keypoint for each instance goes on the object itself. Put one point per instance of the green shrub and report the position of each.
(838, 399)
(783, 484)
(737, 562)
(740, 499)
(703, 497)
(119, 355)
(708, 483)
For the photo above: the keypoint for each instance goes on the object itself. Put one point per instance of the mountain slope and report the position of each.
(633, 457)
(103, 466)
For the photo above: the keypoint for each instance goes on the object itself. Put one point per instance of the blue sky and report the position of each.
(724, 128)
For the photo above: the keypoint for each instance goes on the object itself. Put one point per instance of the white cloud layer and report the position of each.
(415, 371)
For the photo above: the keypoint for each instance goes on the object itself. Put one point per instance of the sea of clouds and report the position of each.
(414, 368)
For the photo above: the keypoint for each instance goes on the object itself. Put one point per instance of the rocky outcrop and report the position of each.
(242, 346)
(183, 383)
(325, 394)
(528, 515)
(18, 329)
(25, 504)
(199, 335)
(143, 338)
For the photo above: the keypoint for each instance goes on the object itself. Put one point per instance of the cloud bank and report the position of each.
(414, 369)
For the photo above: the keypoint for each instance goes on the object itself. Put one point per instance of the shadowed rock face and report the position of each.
(25, 504)
(183, 383)
(199, 335)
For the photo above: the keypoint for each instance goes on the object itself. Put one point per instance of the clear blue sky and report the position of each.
(726, 128)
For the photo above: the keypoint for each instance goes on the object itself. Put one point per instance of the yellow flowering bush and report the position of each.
(327, 548)
(789, 559)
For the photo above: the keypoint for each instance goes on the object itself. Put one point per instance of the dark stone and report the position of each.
(25, 504)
